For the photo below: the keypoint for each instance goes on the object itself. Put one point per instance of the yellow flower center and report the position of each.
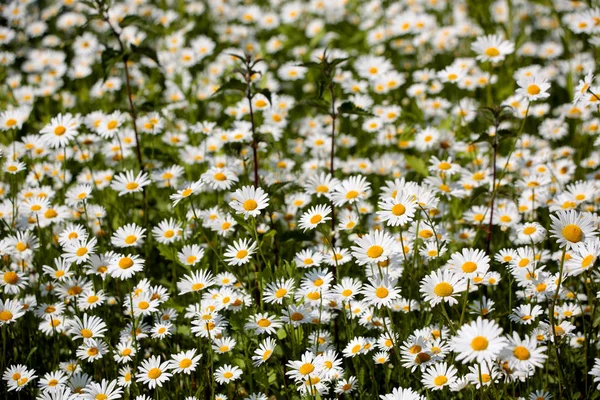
(572, 233)
(125, 263)
(587, 261)
(86, 333)
(351, 194)
(398, 210)
(469, 267)
(382, 292)
(11, 277)
(315, 219)
(375, 251)
(533, 89)
(241, 254)
(492, 52)
(60, 130)
(143, 305)
(250, 205)
(154, 373)
(521, 353)
(185, 363)
(131, 186)
(5, 315)
(219, 176)
(443, 289)
(440, 380)
(479, 343)
(263, 323)
(130, 239)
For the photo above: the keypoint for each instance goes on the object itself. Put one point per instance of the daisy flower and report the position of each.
(60, 131)
(227, 373)
(143, 305)
(240, 252)
(219, 178)
(525, 314)
(249, 201)
(351, 190)
(309, 365)
(277, 291)
(263, 323)
(106, 390)
(124, 351)
(153, 373)
(442, 286)
(523, 354)
(469, 263)
(167, 231)
(124, 267)
(185, 361)
(53, 381)
(91, 350)
(89, 327)
(130, 235)
(399, 210)
(438, 376)
(583, 86)
(18, 376)
(381, 291)
(320, 185)
(531, 232)
(195, 281)
(264, 352)
(492, 48)
(13, 282)
(479, 340)
(126, 182)
(374, 247)
(10, 311)
(189, 190)
(314, 217)
(402, 394)
(14, 118)
(223, 345)
(79, 251)
(571, 228)
(190, 254)
(584, 257)
(308, 258)
(533, 88)
(14, 166)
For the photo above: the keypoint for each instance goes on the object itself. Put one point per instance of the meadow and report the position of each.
(285, 199)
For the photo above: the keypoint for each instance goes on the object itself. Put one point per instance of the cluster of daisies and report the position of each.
(299, 199)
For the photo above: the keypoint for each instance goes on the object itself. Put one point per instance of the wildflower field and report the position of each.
(299, 199)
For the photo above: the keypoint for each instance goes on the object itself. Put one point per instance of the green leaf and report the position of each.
(417, 164)
(337, 61)
(319, 104)
(232, 84)
(30, 354)
(109, 58)
(484, 137)
(348, 107)
(130, 20)
(146, 51)
(281, 334)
